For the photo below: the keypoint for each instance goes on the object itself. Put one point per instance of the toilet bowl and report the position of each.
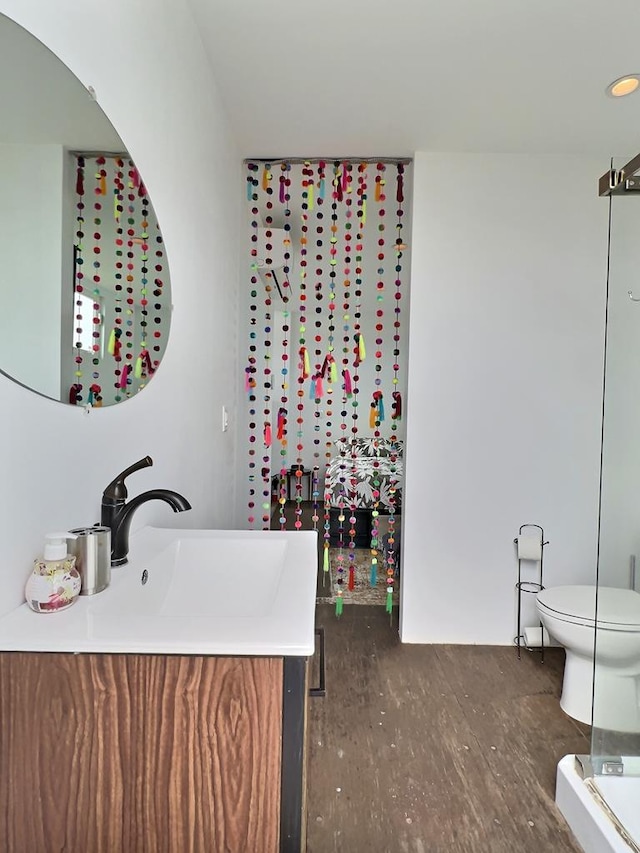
(568, 613)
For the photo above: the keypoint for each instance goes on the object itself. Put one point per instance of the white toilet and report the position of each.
(568, 614)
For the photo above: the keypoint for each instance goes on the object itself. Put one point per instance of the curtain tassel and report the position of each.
(124, 375)
(396, 406)
(400, 186)
(348, 388)
(113, 347)
(376, 412)
(282, 423)
(150, 368)
(337, 182)
(304, 362)
(80, 177)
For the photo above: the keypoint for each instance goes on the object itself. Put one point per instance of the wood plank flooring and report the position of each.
(434, 749)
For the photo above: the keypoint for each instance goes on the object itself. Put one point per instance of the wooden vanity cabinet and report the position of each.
(114, 753)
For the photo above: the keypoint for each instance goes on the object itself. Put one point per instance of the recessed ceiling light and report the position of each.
(623, 85)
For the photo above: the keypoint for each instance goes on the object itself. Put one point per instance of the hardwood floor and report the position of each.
(434, 749)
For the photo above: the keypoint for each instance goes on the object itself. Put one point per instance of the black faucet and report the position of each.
(116, 512)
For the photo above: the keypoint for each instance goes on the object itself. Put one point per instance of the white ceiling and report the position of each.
(389, 77)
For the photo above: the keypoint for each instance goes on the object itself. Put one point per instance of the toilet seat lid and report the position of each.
(616, 607)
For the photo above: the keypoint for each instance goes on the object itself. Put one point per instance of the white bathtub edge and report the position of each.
(592, 829)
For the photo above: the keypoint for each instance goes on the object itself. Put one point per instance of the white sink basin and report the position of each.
(230, 592)
(204, 573)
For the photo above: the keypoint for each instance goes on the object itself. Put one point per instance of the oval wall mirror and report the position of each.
(85, 289)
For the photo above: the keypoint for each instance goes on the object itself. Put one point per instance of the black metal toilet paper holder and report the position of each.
(529, 587)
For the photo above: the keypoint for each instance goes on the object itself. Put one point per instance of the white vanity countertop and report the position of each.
(254, 596)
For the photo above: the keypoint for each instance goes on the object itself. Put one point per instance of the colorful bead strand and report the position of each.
(397, 407)
(142, 242)
(284, 197)
(159, 305)
(76, 390)
(304, 366)
(350, 481)
(376, 410)
(323, 361)
(250, 370)
(337, 196)
(326, 562)
(267, 344)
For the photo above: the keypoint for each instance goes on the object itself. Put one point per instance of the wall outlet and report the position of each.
(225, 419)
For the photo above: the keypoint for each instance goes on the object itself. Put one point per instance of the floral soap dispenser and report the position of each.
(55, 582)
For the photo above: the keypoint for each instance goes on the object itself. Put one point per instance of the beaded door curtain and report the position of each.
(324, 375)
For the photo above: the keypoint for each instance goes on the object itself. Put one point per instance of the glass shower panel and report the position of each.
(615, 740)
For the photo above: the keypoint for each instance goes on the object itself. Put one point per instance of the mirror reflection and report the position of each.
(85, 286)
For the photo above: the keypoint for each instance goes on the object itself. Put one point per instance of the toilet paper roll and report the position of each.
(529, 548)
(533, 637)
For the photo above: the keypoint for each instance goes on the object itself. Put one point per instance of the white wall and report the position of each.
(56, 460)
(505, 376)
(508, 267)
(31, 253)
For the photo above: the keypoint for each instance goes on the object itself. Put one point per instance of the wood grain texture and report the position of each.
(139, 754)
(434, 749)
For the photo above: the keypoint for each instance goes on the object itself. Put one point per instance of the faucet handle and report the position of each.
(116, 490)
